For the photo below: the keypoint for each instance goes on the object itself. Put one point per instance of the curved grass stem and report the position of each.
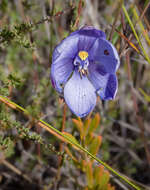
(135, 33)
(65, 138)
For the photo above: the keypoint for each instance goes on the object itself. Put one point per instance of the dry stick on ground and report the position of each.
(138, 117)
(16, 170)
(13, 168)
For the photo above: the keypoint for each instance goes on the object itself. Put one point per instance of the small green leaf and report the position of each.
(72, 138)
(147, 97)
(104, 180)
(14, 80)
(94, 124)
(96, 176)
(79, 126)
(95, 145)
(89, 174)
(86, 127)
(7, 146)
(88, 139)
(98, 173)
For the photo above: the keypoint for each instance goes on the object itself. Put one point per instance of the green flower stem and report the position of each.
(135, 34)
(69, 140)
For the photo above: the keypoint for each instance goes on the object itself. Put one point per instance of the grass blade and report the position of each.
(135, 33)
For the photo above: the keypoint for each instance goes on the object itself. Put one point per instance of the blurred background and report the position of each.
(29, 32)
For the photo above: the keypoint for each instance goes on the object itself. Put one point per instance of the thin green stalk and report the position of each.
(69, 140)
(141, 25)
(135, 34)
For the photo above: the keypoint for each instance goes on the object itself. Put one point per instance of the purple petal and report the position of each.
(104, 53)
(87, 37)
(68, 48)
(62, 61)
(91, 32)
(109, 63)
(112, 86)
(80, 95)
(72, 42)
(60, 72)
(105, 84)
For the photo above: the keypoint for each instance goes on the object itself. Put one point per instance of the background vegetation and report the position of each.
(34, 157)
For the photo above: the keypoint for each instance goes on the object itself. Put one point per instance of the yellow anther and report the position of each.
(83, 55)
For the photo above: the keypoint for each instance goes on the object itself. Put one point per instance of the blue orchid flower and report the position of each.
(83, 66)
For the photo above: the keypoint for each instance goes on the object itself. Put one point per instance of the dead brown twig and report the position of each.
(138, 117)
(13, 168)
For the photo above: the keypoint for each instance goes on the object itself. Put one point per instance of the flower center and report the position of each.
(83, 55)
(81, 62)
